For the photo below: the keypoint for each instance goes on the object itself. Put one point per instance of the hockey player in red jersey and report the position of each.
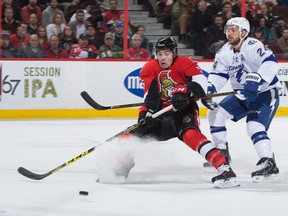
(178, 80)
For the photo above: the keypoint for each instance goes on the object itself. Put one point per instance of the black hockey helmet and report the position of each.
(166, 43)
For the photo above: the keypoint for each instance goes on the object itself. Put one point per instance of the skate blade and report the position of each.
(232, 182)
(261, 178)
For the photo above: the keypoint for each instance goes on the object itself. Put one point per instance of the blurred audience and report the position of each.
(136, 51)
(83, 50)
(67, 39)
(7, 49)
(109, 49)
(282, 43)
(54, 50)
(30, 8)
(56, 27)
(33, 24)
(144, 41)
(8, 22)
(42, 36)
(96, 38)
(112, 14)
(32, 49)
(79, 24)
(20, 37)
(49, 13)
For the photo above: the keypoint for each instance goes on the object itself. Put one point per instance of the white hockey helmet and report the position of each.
(241, 22)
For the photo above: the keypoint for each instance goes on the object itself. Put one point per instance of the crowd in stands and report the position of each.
(95, 29)
(77, 29)
(199, 23)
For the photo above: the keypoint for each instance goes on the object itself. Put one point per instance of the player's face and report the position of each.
(165, 58)
(233, 35)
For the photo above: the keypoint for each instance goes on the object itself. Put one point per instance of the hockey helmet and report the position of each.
(166, 43)
(241, 22)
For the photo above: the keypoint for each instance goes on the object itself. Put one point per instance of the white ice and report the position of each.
(168, 178)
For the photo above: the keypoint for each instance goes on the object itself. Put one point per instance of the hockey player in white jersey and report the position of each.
(251, 68)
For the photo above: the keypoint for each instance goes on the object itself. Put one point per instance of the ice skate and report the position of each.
(226, 178)
(269, 169)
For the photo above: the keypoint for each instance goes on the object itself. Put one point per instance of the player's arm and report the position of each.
(152, 99)
(218, 77)
(196, 86)
(265, 74)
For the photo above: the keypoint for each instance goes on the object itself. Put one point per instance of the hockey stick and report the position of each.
(97, 106)
(36, 176)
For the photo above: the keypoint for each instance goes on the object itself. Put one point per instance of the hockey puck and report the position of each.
(84, 193)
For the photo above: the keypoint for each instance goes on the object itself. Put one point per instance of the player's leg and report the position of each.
(261, 113)
(187, 127)
(229, 108)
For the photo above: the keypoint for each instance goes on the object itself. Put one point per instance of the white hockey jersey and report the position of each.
(253, 57)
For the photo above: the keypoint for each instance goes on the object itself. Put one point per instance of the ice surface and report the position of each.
(168, 178)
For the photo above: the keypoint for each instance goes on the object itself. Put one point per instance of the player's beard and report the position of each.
(235, 42)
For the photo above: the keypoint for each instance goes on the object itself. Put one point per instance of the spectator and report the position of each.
(200, 19)
(20, 37)
(282, 43)
(109, 49)
(70, 9)
(49, 13)
(87, 11)
(278, 27)
(259, 35)
(227, 11)
(95, 37)
(42, 36)
(265, 12)
(67, 39)
(79, 25)
(33, 24)
(262, 24)
(7, 49)
(113, 13)
(144, 41)
(10, 4)
(33, 49)
(119, 34)
(8, 22)
(216, 37)
(83, 50)
(56, 27)
(180, 15)
(54, 50)
(136, 51)
(29, 9)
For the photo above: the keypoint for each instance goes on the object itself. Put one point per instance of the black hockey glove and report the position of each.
(145, 119)
(180, 96)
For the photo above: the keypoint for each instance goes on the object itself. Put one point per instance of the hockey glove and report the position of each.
(145, 119)
(251, 86)
(180, 97)
(209, 103)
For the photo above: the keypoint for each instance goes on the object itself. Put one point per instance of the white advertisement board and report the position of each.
(58, 84)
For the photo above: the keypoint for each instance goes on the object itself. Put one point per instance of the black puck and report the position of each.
(84, 193)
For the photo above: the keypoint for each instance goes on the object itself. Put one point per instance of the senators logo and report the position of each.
(166, 84)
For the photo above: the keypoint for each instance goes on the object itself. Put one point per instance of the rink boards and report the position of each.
(51, 89)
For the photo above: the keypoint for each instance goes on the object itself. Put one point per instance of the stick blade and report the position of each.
(31, 175)
(91, 102)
